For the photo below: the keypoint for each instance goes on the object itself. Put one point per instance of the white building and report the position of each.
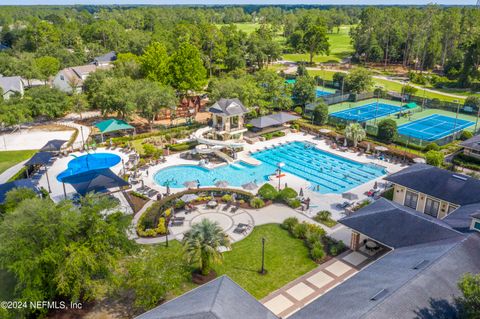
(11, 85)
(70, 79)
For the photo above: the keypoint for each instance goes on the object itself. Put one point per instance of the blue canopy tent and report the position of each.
(20, 183)
(42, 159)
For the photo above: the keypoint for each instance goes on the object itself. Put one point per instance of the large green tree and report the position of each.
(155, 63)
(469, 285)
(186, 70)
(359, 80)
(304, 90)
(66, 251)
(315, 41)
(152, 97)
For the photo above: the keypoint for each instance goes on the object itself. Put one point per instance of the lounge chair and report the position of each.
(227, 206)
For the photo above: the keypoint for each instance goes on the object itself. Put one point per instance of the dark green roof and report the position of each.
(411, 105)
(112, 125)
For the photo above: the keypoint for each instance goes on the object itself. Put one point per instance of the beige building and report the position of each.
(471, 147)
(228, 119)
(434, 191)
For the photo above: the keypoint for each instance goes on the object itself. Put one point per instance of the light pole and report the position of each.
(166, 230)
(263, 270)
(279, 172)
(83, 139)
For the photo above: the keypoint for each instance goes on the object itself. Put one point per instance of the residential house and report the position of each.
(471, 147)
(228, 119)
(11, 85)
(105, 60)
(71, 79)
(434, 191)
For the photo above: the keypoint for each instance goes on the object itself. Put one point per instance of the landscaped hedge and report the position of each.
(269, 136)
(174, 132)
(182, 146)
(150, 219)
(467, 161)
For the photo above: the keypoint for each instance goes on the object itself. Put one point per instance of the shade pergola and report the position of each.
(112, 125)
(40, 158)
(411, 105)
(53, 146)
(273, 119)
(95, 181)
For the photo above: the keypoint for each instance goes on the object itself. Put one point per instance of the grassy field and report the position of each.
(389, 86)
(10, 158)
(286, 258)
(340, 48)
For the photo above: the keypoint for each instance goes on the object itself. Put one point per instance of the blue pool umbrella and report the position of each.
(95, 181)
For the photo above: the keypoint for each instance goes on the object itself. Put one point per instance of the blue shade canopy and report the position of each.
(40, 158)
(53, 146)
(21, 183)
(96, 181)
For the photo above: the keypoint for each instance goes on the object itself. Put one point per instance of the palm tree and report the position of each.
(355, 133)
(201, 244)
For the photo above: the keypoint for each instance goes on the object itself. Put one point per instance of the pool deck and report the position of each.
(318, 201)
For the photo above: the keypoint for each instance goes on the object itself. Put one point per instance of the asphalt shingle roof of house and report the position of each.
(11, 83)
(461, 218)
(472, 143)
(107, 57)
(221, 298)
(397, 225)
(442, 184)
(401, 283)
(228, 107)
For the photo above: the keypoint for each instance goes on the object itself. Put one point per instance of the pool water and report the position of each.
(89, 162)
(327, 173)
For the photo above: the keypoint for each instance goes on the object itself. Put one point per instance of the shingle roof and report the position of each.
(107, 57)
(446, 185)
(461, 218)
(219, 299)
(406, 290)
(273, 119)
(11, 83)
(21, 183)
(228, 107)
(473, 143)
(398, 226)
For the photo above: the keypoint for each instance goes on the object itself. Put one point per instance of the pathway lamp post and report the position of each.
(280, 165)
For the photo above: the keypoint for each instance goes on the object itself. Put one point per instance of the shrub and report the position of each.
(387, 130)
(179, 204)
(300, 230)
(227, 198)
(150, 150)
(289, 223)
(311, 239)
(323, 215)
(294, 203)
(317, 252)
(315, 230)
(298, 110)
(336, 249)
(432, 147)
(434, 158)
(320, 114)
(466, 135)
(161, 229)
(287, 193)
(257, 202)
(267, 192)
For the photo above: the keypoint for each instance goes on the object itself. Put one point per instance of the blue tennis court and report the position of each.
(367, 112)
(322, 92)
(433, 127)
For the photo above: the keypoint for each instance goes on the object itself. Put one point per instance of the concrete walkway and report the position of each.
(10, 172)
(303, 290)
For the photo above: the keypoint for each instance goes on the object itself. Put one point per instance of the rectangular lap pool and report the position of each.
(367, 112)
(433, 127)
(327, 173)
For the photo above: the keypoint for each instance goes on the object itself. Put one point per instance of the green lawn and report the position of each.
(286, 259)
(340, 48)
(10, 158)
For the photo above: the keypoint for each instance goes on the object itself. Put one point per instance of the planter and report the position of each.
(200, 279)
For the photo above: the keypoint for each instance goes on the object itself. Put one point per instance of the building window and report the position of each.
(451, 208)
(476, 226)
(431, 207)
(411, 199)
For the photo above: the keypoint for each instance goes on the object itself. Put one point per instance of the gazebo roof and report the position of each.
(112, 125)
(273, 119)
(40, 158)
(411, 105)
